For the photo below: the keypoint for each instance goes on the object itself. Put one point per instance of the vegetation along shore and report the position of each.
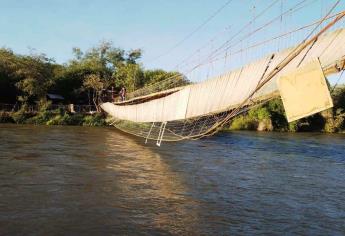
(34, 89)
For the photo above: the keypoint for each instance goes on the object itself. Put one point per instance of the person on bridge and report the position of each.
(123, 94)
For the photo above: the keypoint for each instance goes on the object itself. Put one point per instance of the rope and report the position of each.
(276, 37)
(171, 82)
(292, 9)
(194, 31)
(239, 32)
(336, 84)
(235, 34)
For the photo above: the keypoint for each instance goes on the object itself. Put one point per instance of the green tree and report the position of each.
(80, 80)
(155, 76)
(94, 83)
(129, 76)
(31, 75)
(8, 78)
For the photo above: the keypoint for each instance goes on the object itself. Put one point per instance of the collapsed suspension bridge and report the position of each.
(172, 112)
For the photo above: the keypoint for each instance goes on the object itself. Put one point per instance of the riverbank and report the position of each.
(271, 117)
(53, 117)
(268, 117)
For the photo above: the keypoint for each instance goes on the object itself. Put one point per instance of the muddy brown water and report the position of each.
(99, 181)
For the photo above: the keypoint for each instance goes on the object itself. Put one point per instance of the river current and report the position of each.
(99, 181)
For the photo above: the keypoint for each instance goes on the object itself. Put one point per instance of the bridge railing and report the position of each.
(169, 83)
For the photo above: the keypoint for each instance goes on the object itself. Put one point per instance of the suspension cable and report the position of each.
(193, 32)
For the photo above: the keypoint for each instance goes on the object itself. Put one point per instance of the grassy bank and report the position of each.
(271, 117)
(52, 117)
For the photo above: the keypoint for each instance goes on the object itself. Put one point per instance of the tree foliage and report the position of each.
(28, 78)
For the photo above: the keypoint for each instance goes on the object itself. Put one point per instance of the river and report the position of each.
(99, 181)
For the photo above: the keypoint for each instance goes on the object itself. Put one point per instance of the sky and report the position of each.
(54, 27)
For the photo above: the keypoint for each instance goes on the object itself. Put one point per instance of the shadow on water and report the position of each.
(87, 181)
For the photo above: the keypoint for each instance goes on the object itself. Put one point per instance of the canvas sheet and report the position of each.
(304, 92)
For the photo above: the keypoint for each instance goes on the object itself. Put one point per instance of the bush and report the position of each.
(94, 120)
(59, 119)
(44, 105)
(271, 116)
(21, 116)
(277, 113)
(257, 118)
(335, 124)
(338, 96)
(293, 126)
(41, 118)
(66, 119)
(56, 120)
(75, 119)
(259, 113)
(243, 122)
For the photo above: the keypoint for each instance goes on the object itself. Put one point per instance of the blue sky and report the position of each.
(54, 27)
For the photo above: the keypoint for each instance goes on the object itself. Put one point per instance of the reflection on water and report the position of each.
(87, 181)
(148, 178)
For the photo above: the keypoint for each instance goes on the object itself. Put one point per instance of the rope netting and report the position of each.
(182, 129)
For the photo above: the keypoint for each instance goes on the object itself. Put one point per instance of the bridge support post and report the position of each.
(161, 133)
(148, 135)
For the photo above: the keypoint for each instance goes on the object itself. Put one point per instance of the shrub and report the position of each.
(44, 105)
(43, 115)
(56, 120)
(338, 96)
(59, 119)
(75, 119)
(335, 124)
(94, 120)
(259, 113)
(277, 113)
(243, 122)
(66, 119)
(40, 118)
(293, 126)
(21, 115)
